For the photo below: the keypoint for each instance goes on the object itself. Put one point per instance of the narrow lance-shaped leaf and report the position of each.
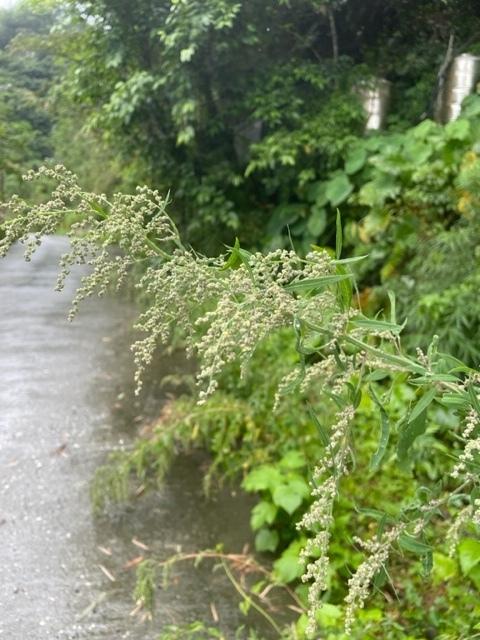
(454, 400)
(234, 257)
(422, 404)
(316, 283)
(472, 394)
(322, 432)
(400, 361)
(349, 260)
(393, 307)
(339, 238)
(456, 364)
(345, 288)
(409, 543)
(384, 433)
(415, 425)
(237, 257)
(300, 348)
(377, 325)
(427, 564)
(434, 377)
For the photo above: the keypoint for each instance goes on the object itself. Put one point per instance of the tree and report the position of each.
(25, 78)
(238, 106)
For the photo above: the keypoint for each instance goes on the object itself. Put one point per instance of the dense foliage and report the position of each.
(238, 107)
(25, 78)
(225, 308)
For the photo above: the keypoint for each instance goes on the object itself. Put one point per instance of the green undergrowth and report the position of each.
(273, 453)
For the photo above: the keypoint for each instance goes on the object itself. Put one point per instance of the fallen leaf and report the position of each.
(106, 572)
(140, 545)
(105, 550)
(133, 562)
(214, 611)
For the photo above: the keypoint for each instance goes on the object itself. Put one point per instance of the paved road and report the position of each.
(64, 403)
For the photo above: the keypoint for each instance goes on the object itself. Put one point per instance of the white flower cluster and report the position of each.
(319, 518)
(472, 447)
(224, 310)
(463, 518)
(137, 224)
(359, 584)
(178, 290)
(226, 313)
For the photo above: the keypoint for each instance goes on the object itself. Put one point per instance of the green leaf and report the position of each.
(345, 287)
(434, 377)
(338, 189)
(415, 425)
(328, 615)
(317, 193)
(322, 282)
(444, 568)
(237, 257)
(288, 568)
(187, 54)
(379, 516)
(100, 210)
(349, 260)
(427, 564)
(472, 394)
(339, 237)
(262, 478)
(377, 325)
(355, 160)
(409, 432)
(293, 460)
(377, 375)
(384, 434)
(474, 576)
(380, 579)
(393, 307)
(425, 130)
(263, 513)
(283, 216)
(409, 543)
(400, 361)
(317, 221)
(455, 363)
(471, 106)
(322, 432)
(244, 606)
(376, 192)
(370, 615)
(298, 484)
(423, 404)
(266, 540)
(454, 400)
(458, 129)
(469, 554)
(288, 497)
(417, 152)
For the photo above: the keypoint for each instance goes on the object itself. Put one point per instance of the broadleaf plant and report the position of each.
(226, 308)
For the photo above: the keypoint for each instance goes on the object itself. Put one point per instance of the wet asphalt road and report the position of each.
(64, 404)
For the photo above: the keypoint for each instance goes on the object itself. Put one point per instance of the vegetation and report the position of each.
(226, 306)
(337, 355)
(25, 77)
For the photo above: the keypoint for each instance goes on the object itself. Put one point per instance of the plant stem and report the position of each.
(251, 602)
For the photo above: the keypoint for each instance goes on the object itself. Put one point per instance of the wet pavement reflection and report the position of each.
(65, 402)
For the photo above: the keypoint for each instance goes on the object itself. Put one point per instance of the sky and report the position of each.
(6, 3)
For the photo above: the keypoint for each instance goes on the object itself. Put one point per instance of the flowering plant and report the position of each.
(226, 306)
